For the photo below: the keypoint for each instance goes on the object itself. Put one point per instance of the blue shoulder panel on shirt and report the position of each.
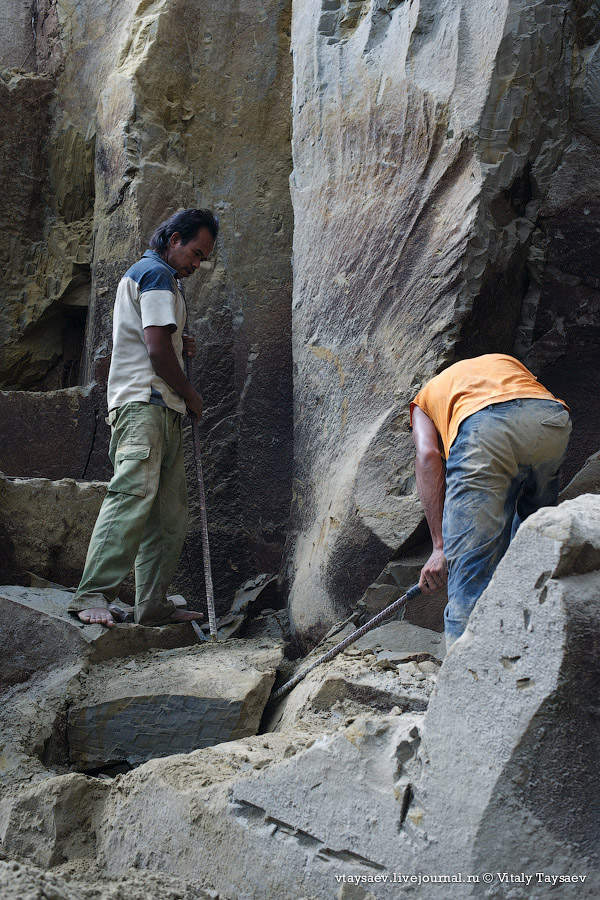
(151, 275)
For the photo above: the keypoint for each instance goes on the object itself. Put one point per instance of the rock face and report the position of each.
(121, 117)
(444, 184)
(55, 434)
(40, 635)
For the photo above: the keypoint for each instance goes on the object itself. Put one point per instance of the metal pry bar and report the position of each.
(368, 626)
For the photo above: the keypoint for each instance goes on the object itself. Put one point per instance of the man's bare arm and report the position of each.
(431, 485)
(166, 365)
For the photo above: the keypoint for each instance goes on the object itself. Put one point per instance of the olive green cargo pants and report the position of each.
(143, 518)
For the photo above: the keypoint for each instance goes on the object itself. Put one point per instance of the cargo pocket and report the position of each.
(131, 471)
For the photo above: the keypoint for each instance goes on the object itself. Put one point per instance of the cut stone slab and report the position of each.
(75, 435)
(174, 701)
(37, 633)
(278, 815)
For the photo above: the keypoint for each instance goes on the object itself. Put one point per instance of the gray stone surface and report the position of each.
(37, 633)
(264, 813)
(400, 574)
(517, 691)
(167, 702)
(585, 481)
(443, 193)
(402, 641)
(16, 30)
(55, 434)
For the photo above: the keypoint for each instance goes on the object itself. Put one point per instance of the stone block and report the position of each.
(170, 702)
(516, 690)
(46, 526)
(280, 816)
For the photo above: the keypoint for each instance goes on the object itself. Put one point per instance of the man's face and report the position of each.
(186, 258)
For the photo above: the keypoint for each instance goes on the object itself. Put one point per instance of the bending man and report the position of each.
(504, 437)
(144, 515)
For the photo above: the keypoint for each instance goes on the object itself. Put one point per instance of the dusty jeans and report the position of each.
(503, 466)
(143, 517)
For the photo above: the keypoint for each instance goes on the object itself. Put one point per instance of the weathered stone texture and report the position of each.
(480, 779)
(16, 35)
(46, 526)
(62, 640)
(55, 434)
(431, 143)
(155, 106)
(518, 691)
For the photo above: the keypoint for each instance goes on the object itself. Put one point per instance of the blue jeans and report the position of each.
(503, 465)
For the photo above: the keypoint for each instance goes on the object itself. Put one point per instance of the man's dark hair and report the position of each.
(186, 222)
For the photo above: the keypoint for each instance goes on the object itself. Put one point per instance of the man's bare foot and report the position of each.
(185, 615)
(96, 616)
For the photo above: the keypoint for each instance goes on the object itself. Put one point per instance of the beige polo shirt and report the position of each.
(147, 295)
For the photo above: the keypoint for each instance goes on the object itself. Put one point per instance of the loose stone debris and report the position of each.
(371, 765)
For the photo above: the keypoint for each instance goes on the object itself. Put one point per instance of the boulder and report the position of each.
(516, 690)
(282, 815)
(480, 779)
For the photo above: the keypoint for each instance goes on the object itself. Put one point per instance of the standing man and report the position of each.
(504, 437)
(144, 515)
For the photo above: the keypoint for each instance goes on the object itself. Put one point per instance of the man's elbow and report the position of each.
(428, 458)
(156, 357)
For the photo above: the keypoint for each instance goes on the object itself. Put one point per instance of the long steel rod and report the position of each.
(372, 623)
(210, 600)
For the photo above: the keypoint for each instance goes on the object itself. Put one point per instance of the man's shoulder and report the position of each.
(150, 273)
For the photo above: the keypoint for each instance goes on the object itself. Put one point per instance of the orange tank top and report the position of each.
(470, 385)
